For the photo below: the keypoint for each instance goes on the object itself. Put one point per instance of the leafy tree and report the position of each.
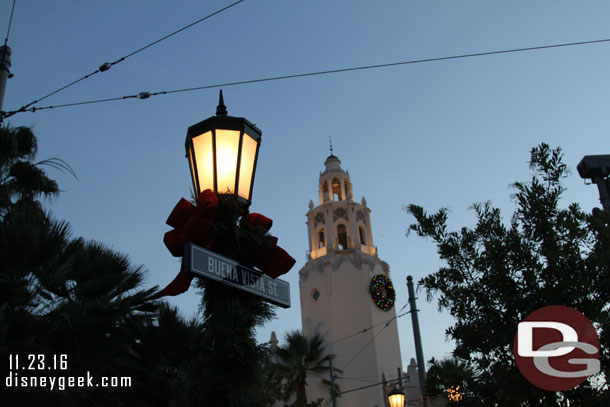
(301, 357)
(496, 273)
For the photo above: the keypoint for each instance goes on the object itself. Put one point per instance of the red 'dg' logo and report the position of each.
(556, 348)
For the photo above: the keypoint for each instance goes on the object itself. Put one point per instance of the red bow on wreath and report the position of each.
(195, 224)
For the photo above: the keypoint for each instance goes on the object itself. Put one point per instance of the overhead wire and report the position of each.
(356, 379)
(107, 65)
(146, 95)
(369, 342)
(372, 379)
(370, 327)
(386, 382)
(10, 22)
(366, 387)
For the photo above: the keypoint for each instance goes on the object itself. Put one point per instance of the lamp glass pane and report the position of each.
(396, 400)
(202, 148)
(227, 144)
(246, 167)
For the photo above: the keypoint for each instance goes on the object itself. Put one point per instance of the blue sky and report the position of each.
(438, 134)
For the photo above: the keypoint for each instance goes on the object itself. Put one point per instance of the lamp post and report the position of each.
(396, 398)
(222, 152)
(222, 243)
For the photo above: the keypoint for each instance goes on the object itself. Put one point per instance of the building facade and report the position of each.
(347, 295)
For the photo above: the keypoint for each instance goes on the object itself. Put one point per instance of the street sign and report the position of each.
(224, 270)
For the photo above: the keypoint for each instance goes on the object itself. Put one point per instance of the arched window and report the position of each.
(336, 185)
(348, 192)
(362, 238)
(321, 240)
(342, 237)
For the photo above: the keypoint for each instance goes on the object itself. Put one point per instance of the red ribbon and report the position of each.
(272, 259)
(195, 224)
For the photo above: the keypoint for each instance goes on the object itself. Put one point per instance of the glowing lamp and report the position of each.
(222, 152)
(396, 398)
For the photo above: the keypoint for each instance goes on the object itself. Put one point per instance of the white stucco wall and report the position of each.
(344, 307)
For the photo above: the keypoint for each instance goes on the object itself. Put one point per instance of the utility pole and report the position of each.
(5, 73)
(5, 63)
(333, 393)
(400, 380)
(421, 368)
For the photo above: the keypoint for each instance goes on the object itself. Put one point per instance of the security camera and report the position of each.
(594, 166)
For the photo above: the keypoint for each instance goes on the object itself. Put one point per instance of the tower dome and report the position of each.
(335, 184)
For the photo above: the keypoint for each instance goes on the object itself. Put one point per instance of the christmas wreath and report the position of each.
(383, 292)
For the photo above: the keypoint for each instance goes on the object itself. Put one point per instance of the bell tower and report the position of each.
(347, 295)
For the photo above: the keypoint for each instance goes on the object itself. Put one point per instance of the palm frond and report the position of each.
(59, 165)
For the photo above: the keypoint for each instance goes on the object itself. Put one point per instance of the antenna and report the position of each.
(330, 140)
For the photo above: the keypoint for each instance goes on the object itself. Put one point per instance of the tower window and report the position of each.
(321, 241)
(336, 184)
(362, 238)
(342, 237)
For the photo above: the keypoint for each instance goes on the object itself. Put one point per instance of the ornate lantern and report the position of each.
(222, 152)
(396, 398)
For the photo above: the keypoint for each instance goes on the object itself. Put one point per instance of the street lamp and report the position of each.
(222, 152)
(396, 398)
(597, 169)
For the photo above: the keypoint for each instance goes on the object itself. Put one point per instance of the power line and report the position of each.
(107, 65)
(356, 379)
(371, 327)
(373, 385)
(366, 345)
(367, 386)
(10, 21)
(177, 31)
(146, 95)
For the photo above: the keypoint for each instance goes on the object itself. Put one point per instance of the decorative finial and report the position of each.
(221, 110)
(330, 140)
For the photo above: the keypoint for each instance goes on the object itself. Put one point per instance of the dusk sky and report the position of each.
(436, 134)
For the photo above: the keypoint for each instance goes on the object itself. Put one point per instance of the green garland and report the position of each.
(379, 284)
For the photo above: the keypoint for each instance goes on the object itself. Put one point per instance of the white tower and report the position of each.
(336, 297)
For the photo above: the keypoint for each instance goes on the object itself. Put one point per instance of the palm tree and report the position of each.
(168, 348)
(60, 295)
(449, 373)
(23, 181)
(301, 357)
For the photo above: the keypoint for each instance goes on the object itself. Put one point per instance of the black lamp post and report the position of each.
(222, 152)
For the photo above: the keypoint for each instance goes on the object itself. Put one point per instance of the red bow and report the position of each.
(195, 224)
(272, 259)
